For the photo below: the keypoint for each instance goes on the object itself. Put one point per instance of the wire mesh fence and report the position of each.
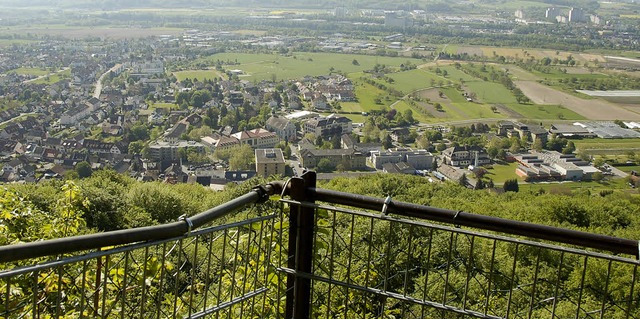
(367, 265)
(362, 264)
(217, 272)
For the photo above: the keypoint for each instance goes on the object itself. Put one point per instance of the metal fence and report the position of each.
(326, 254)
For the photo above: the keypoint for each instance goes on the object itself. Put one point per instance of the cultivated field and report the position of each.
(100, 32)
(594, 109)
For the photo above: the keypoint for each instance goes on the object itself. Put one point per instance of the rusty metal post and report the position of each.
(300, 253)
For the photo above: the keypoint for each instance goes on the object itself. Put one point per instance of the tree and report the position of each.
(136, 147)
(570, 148)
(325, 165)
(511, 185)
(242, 158)
(355, 62)
(537, 145)
(388, 143)
(84, 169)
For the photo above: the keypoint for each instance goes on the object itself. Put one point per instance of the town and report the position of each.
(176, 108)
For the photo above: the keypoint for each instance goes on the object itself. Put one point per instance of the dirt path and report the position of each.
(593, 109)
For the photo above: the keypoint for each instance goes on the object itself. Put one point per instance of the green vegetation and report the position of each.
(31, 71)
(551, 112)
(297, 65)
(201, 75)
(607, 144)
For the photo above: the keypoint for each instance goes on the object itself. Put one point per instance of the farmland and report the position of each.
(492, 100)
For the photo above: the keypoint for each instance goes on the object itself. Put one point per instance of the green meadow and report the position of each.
(298, 65)
(545, 112)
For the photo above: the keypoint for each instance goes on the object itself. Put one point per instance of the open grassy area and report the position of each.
(300, 64)
(491, 92)
(170, 106)
(201, 75)
(31, 71)
(617, 184)
(351, 107)
(409, 81)
(367, 94)
(608, 144)
(499, 173)
(54, 78)
(548, 112)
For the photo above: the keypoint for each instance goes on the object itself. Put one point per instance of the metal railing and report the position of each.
(324, 254)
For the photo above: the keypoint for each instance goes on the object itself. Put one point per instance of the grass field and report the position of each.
(502, 172)
(606, 144)
(413, 80)
(545, 112)
(53, 78)
(491, 92)
(201, 75)
(170, 106)
(31, 71)
(270, 66)
(568, 187)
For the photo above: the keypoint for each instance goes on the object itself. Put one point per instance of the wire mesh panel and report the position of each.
(375, 266)
(218, 272)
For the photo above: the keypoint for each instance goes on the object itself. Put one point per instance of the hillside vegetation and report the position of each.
(108, 201)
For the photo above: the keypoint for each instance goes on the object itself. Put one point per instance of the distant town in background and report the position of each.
(398, 91)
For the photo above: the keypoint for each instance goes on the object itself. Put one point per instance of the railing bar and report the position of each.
(103, 286)
(513, 276)
(346, 291)
(235, 267)
(35, 294)
(7, 293)
(259, 241)
(222, 268)
(475, 233)
(100, 253)
(606, 289)
(387, 257)
(446, 280)
(192, 281)
(83, 283)
(584, 272)
(393, 295)
(535, 282)
(428, 265)
(406, 274)
(124, 285)
(617, 245)
(470, 266)
(633, 282)
(176, 276)
(493, 258)
(409, 249)
(267, 264)
(143, 302)
(246, 265)
(555, 294)
(332, 261)
(228, 304)
(161, 285)
(59, 291)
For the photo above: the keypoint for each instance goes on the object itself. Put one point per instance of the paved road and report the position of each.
(98, 90)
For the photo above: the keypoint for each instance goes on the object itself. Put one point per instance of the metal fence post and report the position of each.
(301, 226)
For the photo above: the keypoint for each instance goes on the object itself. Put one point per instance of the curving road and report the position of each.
(98, 89)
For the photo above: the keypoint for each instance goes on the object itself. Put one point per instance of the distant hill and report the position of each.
(325, 4)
